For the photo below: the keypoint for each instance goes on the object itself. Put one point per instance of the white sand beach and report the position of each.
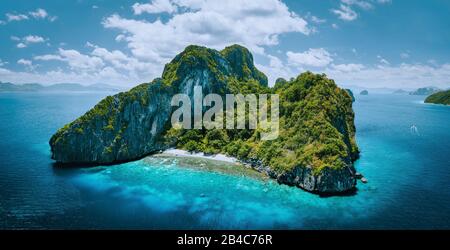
(184, 153)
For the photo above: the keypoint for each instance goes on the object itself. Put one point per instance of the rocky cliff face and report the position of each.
(315, 150)
(120, 128)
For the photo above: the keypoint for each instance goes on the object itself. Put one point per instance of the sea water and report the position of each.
(405, 156)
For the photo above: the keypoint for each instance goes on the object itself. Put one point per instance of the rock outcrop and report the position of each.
(315, 150)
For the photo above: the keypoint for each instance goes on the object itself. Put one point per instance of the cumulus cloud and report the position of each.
(75, 59)
(107, 74)
(155, 6)
(351, 67)
(113, 65)
(25, 41)
(39, 13)
(28, 64)
(398, 76)
(24, 62)
(153, 42)
(254, 24)
(120, 60)
(276, 68)
(312, 57)
(33, 39)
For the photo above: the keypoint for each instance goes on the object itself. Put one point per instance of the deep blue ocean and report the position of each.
(408, 172)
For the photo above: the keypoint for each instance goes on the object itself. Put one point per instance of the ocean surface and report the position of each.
(408, 171)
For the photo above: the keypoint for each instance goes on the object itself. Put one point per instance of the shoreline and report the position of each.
(307, 182)
(185, 153)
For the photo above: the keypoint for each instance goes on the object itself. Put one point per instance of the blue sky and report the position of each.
(367, 43)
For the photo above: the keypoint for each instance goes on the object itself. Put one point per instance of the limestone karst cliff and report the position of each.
(315, 150)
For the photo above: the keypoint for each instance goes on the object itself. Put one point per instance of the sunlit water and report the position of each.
(408, 172)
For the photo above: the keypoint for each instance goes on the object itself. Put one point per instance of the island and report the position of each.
(442, 97)
(425, 91)
(315, 149)
(364, 92)
(400, 92)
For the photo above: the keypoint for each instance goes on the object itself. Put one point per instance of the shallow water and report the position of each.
(408, 173)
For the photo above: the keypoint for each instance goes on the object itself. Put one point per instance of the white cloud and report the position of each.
(2, 63)
(152, 43)
(360, 3)
(120, 60)
(382, 60)
(345, 13)
(312, 57)
(315, 19)
(155, 6)
(400, 76)
(16, 17)
(106, 75)
(25, 41)
(210, 23)
(33, 39)
(74, 59)
(25, 62)
(39, 13)
(276, 69)
(404, 55)
(101, 62)
(351, 67)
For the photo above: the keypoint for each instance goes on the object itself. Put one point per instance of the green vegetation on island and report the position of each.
(315, 149)
(442, 97)
(351, 94)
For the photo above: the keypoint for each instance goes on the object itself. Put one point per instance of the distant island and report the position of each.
(442, 97)
(315, 149)
(400, 91)
(364, 92)
(425, 91)
(35, 87)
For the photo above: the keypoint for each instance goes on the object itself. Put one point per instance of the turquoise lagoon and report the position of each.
(408, 172)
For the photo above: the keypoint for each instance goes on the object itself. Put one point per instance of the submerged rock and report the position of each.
(315, 150)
